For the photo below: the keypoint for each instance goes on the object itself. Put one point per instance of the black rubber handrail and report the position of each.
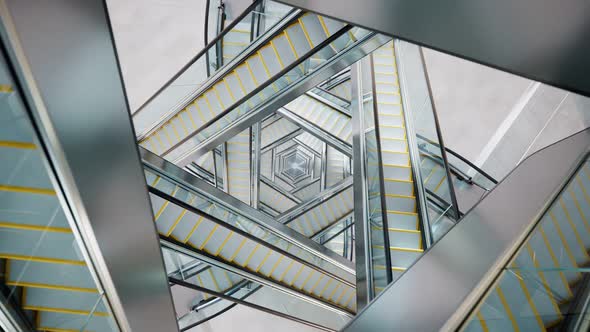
(458, 156)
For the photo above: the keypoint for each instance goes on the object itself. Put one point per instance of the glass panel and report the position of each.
(287, 80)
(547, 284)
(193, 306)
(46, 274)
(231, 44)
(433, 170)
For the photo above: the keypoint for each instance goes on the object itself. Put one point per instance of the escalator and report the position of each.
(220, 230)
(538, 290)
(400, 208)
(288, 45)
(516, 262)
(45, 270)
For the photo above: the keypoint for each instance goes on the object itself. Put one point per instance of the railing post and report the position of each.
(364, 282)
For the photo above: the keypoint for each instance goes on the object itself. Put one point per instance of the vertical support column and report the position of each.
(66, 63)
(224, 165)
(255, 165)
(364, 283)
(324, 170)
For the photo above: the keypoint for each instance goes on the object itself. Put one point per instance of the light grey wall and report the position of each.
(154, 39)
(496, 119)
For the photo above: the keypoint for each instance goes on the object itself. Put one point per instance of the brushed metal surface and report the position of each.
(543, 40)
(69, 67)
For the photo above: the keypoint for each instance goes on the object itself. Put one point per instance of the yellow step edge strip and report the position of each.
(55, 329)
(400, 249)
(182, 214)
(224, 243)
(237, 251)
(555, 261)
(274, 267)
(208, 238)
(65, 311)
(6, 88)
(482, 322)
(580, 211)
(393, 268)
(543, 280)
(304, 29)
(27, 190)
(54, 287)
(530, 300)
(215, 283)
(18, 145)
(563, 240)
(307, 279)
(507, 308)
(574, 228)
(400, 196)
(286, 270)
(297, 274)
(402, 212)
(401, 230)
(334, 292)
(39, 228)
(42, 259)
(316, 284)
(349, 299)
(321, 294)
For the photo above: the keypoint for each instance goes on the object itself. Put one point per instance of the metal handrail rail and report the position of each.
(236, 62)
(176, 245)
(249, 304)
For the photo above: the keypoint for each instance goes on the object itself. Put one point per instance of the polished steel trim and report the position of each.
(249, 304)
(224, 166)
(362, 246)
(337, 264)
(255, 142)
(409, 111)
(316, 131)
(296, 211)
(79, 106)
(467, 260)
(347, 57)
(480, 31)
(247, 274)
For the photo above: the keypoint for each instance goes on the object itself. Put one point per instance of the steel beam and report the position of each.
(67, 66)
